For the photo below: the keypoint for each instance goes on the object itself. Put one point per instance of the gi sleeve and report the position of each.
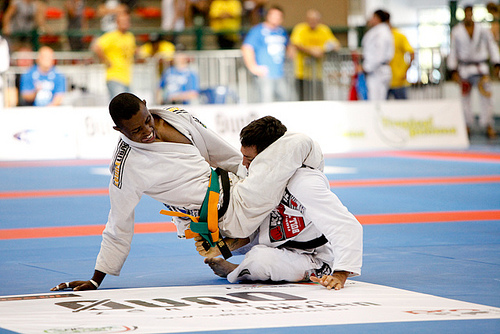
(452, 60)
(331, 218)
(220, 152)
(125, 191)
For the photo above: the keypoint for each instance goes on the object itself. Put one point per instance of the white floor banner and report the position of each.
(226, 307)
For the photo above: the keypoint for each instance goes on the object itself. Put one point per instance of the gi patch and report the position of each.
(179, 111)
(121, 155)
(197, 120)
(283, 226)
(292, 202)
(324, 270)
(176, 110)
(244, 272)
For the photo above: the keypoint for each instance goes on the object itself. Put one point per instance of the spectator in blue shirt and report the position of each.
(43, 85)
(264, 52)
(179, 84)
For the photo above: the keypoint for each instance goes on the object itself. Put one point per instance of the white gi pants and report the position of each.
(378, 83)
(264, 263)
(486, 113)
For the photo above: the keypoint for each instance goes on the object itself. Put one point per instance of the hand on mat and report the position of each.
(211, 252)
(334, 281)
(75, 286)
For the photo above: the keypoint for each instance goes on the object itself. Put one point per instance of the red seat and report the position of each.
(49, 39)
(89, 12)
(142, 38)
(149, 12)
(87, 39)
(53, 13)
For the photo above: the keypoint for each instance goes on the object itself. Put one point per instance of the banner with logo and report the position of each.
(352, 126)
(227, 307)
(87, 133)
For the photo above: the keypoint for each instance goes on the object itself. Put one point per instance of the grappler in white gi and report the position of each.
(471, 47)
(309, 235)
(378, 51)
(168, 154)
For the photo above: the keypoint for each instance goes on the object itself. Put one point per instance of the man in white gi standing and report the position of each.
(309, 235)
(167, 154)
(378, 51)
(471, 47)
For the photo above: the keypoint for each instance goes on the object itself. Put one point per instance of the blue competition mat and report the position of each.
(457, 259)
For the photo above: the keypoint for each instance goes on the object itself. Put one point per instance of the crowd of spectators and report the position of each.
(265, 46)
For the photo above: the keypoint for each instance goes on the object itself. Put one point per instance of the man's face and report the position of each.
(374, 20)
(313, 18)
(249, 153)
(274, 17)
(140, 128)
(45, 59)
(468, 15)
(123, 22)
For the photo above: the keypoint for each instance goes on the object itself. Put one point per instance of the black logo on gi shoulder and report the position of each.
(176, 110)
(197, 120)
(121, 155)
(292, 202)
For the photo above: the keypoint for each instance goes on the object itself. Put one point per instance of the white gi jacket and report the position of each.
(307, 211)
(470, 55)
(378, 50)
(378, 47)
(178, 175)
(172, 173)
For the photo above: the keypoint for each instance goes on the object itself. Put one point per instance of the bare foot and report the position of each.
(220, 266)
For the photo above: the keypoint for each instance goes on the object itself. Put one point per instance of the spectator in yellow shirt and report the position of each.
(312, 40)
(160, 49)
(116, 49)
(400, 63)
(226, 15)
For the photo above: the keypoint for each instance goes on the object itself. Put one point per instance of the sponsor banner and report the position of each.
(87, 133)
(96, 137)
(227, 307)
(37, 134)
(352, 126)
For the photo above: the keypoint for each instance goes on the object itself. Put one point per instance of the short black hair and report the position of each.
(383, 15)
(262, 132)
(123, 106)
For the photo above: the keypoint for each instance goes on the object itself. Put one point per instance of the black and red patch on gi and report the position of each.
(283, 226)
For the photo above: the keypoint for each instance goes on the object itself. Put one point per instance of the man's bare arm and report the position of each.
(91, 284)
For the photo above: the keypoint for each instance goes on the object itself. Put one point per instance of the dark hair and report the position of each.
(262, 132)
(383, 15)
(123, 106)
(492, 7)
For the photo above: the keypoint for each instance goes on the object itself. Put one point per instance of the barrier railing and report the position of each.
(219, 68)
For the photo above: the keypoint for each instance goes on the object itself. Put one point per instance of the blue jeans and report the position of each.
(115, 88)
(272, 89)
